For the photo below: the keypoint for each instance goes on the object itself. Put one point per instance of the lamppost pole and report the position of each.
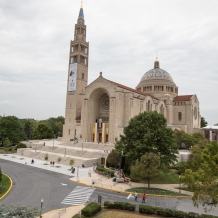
(82, 146)
(64, 152)
(180, 184)
(41, 208)
(78, 173)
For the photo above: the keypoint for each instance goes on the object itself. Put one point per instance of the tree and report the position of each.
(59, 160)
(43, 131)
(12, 128)
(147, 167)
(6, 144)
(46, 158)
(183, 140)
(148, 132)
(203, 122)
(203, 182)
(71, 162)
(19, 211)
(113, 159)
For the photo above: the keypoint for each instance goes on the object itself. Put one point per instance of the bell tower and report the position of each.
(77, 78)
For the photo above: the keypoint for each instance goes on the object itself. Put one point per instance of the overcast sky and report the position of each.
(124, 36)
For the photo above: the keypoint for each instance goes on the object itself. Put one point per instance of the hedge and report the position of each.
(170, 213)
(119, 205)
(91, 209)
(102, 169)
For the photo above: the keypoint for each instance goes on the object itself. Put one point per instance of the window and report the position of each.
(179, 116)
(83, 76)
(69, 132)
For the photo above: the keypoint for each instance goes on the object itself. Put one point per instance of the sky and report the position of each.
(123, 37)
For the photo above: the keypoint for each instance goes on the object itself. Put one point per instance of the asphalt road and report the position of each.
(31, 184)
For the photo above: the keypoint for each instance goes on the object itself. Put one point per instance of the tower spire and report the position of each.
(81, 14)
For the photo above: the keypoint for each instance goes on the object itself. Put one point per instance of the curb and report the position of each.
(9, 187)
(124, 192)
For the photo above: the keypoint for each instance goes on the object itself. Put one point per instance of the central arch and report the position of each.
(99, 111)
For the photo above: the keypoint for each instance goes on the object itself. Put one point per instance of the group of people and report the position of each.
(143, 197)
(52, 163)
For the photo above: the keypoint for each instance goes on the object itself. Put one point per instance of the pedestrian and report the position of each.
(136, 196)
(93, 183)
(90, 173)
(143, 198)
(53, 163)
(50, 163)
(32, 162)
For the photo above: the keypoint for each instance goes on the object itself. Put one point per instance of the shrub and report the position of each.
(164, 212)
(102, 169)
(146, 209)
(119, 205)
(91, 209)
(109, 204)
(21, 145)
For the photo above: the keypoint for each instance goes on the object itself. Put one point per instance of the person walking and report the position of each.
(136, 196)
(93, 183)
(143, 198)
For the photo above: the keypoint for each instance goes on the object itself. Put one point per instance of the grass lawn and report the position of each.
(170, 177)
(122, 214)
(156, 191)
(4, 185)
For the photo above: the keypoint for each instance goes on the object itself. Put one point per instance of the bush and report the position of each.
(109, 204)
(146, 209)
(91, 209)
(21, 145)
(119, 205)
(164, 212)
(102, 169)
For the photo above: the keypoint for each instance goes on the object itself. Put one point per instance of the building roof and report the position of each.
(81, 14)
(132, 90)
(183, 98)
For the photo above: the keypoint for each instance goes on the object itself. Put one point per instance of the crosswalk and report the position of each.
(79, 196)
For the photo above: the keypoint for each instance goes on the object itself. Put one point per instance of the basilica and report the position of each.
(98, 112)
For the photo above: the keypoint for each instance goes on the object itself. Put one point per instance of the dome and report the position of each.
(156, 74)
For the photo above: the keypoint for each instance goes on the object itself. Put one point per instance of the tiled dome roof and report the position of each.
(156, 74)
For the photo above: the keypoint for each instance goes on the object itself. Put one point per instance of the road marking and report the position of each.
(79, 196)
(63, 184)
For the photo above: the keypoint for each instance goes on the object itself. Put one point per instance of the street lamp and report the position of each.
(53, 141)
(41, 207)
(78, 173)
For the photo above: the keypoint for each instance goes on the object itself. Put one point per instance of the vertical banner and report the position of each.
(72, 77)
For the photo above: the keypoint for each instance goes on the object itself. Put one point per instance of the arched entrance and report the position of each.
(99, 108)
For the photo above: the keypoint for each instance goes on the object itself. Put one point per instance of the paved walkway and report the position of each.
(81, 176)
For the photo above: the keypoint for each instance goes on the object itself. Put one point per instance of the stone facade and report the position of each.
(98, 112)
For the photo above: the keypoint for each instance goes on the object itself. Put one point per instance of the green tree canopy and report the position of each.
(56, 124)
(43, 131)
(113, 159)
(203, 122)
(148, 132)
(147, 167)
(12, 128)
(204, 181)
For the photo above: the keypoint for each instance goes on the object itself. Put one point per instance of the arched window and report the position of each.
(148, 109)
(69, 132)
(180, 116)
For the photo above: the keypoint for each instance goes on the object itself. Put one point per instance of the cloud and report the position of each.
(124, 38)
